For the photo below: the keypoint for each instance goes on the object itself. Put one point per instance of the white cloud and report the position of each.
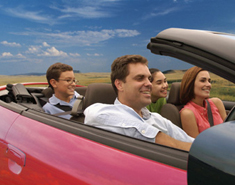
(81, 38)
(126, 33)
(94, 54)
(67, 9)
(84, 12)
(160, 13)
(34, 49)
(11, 44)
(19, 55)
(74, 54)
(53, 52)
(7, 54)
(30, 15)
(45, 44)
(87, 9)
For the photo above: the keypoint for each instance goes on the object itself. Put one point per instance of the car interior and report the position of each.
(35, 98)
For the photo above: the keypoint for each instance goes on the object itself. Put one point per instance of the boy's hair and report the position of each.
(187, 84)
(55, 70)
(119, 67)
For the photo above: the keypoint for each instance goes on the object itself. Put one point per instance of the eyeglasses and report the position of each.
(69, 81)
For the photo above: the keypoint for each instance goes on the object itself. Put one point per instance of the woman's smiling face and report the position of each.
(160, 86)
(202, 85)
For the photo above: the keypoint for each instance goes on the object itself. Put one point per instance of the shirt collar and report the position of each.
(54, 100)
(145, 112)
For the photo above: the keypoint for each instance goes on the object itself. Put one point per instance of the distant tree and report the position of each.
(76, 71)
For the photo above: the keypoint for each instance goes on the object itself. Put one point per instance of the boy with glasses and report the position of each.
(61, 79)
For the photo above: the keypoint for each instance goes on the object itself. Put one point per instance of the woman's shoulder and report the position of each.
(189, 106)
(186, 112)
(218, 102)
(215, 100)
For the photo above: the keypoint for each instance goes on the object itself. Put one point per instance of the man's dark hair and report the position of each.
(119, 67)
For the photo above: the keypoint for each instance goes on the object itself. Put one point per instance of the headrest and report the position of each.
(47, 92)
(81, 90)
(174, 94)
(99, 93)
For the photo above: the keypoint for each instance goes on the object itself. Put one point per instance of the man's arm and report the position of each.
(164, 139)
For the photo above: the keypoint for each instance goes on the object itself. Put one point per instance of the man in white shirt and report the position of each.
(130, 78)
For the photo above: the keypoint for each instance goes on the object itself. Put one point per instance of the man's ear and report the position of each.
(119, 84)
(53, 83)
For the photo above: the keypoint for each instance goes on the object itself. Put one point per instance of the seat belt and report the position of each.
(75, 111)
(209, 113)
(77, 106)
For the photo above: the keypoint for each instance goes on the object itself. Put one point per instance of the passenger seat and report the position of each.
(171, 109)
(97, 93)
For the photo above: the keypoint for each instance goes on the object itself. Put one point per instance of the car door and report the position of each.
(6, 122)
(58, 151)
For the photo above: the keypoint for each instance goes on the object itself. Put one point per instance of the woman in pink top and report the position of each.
(195, 89)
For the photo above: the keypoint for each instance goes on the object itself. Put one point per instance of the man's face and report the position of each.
(160, 86)
(135, 92)
(63, 89)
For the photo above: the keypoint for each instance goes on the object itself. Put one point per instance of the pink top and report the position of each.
(201, 114)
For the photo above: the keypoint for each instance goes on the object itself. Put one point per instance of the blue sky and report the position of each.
(90, 34)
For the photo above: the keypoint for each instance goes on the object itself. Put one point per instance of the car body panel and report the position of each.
(54, 156)
(6, 122)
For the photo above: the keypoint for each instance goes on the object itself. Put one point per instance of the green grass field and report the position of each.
(221, 88)
(83, 78)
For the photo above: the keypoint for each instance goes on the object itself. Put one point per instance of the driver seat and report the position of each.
(96, 93)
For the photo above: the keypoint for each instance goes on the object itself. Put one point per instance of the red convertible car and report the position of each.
(38, 148)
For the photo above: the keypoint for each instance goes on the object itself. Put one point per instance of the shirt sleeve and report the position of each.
(171, 129)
